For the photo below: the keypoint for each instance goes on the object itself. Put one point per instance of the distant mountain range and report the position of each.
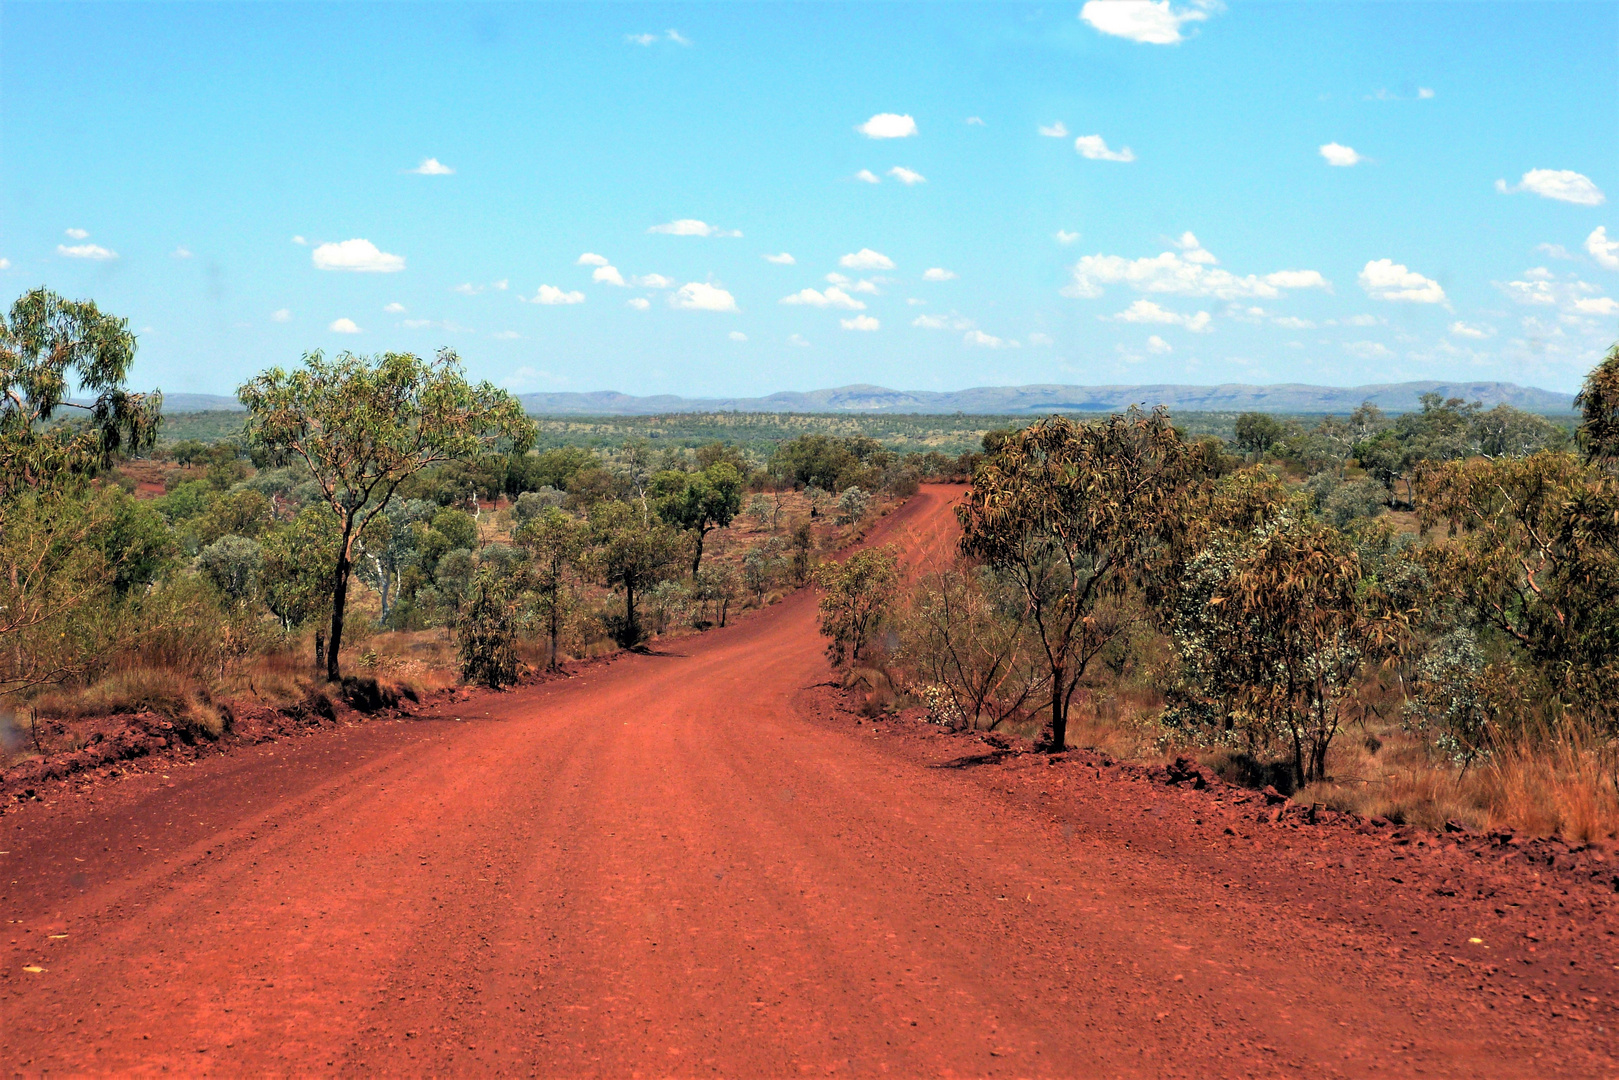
(1014, 400)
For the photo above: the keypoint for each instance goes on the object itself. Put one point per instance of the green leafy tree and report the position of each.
(299, 561)
(234, 564)
(555, 543)
(1257, 432)
(363, 426)
(629, 554)
(699, 502)
(1598, 402)
(1534, 553)
(1070, 512)
(856, 596)
(486, 632)
(852, 506)
(50, 346)
(56, 554)
(1275, 629)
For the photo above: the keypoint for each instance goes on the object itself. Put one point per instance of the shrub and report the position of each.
(857, 597)
(486, 633)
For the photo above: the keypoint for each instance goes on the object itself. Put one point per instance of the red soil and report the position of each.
(698, 862)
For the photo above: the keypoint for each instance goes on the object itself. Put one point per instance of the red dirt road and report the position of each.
(691, 864)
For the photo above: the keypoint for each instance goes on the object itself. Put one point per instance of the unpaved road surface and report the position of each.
(695, 864)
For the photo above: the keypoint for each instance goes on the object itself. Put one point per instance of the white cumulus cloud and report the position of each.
(395, 308)
(1603, 250)
(866, 259)
(951, 321)
(608, 275)
(432, 167)
(1340, 155)
(938, 273)
(1176, 272)
(701, 296)
(1556, 251)
(1192, 249)
(860, 322)
(360, 256)
(1095, 148)
(1066, 237)
(343, 326)
(94, 252)
(1564, 185)
(783, 259)
(867, 176)
(1293, 322)
(907, 176)
(1158, 345)
(1385, 279)
(1151, 22)
(300, 241)
(181, 252)
(283, 315)
(75, 234)
(550, 294)
(1468, 330)
(1145, 311)
(467, 288)
(639, 303)
(832, 297)
(797, 341)
(888, 126)
(1037, 338)
(692, 227)
(590, 258)
(653, 281)
(987, 341)
(861, 286)
(1059, 130)
(737, 335)
(1596, 305)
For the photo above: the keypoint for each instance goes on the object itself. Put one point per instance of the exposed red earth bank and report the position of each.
(699, 863)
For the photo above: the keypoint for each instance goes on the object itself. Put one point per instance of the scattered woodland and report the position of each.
(1415, 615)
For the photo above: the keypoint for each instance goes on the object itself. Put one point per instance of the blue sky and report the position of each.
(1373, 192)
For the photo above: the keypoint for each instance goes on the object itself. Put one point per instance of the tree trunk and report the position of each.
(320, 648)
(697, 560)
(1059, 713)
(340, 595)
(631, 631)
(554, 628)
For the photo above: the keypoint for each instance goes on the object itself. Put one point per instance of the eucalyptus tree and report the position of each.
(699, 502)
(1073, 514)
(364, 425)
(52, 558)
(556, 543)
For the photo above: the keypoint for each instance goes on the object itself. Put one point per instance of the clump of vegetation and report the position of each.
(857, 594)
(1411, 616)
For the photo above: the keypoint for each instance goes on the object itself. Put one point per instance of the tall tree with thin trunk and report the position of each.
(555, 542)
(1073, 513)
(363, 425)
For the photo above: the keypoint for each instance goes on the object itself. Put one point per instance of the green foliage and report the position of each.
(852, 506)
(1274, 629)
(234, 564)
(486, 632)
(50, 347)
(699, 502)
(1258, 432)
(365, 426)
(630, 554)
(856, 596)
(1534, 553)
(134, 541)
(556, 544)
(1598, 402)
(1071, 513)
(299, 560)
